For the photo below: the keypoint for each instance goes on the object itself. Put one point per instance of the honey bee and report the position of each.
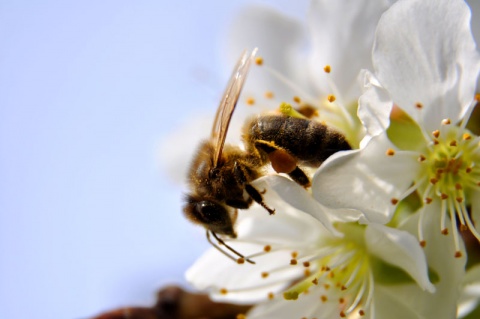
(220, 175)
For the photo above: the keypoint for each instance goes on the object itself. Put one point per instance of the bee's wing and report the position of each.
(228, 103)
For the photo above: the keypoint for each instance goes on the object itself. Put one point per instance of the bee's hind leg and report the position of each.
(283, 162)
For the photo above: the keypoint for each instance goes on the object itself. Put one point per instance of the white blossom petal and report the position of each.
(280, 40)
(306, 306)
(366, 180)
(297, 197)
(424, 53)
(374, 107)
(400, 249)
(448, 270)
(342, 37)
(470, 295)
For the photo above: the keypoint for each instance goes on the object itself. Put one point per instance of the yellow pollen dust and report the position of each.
(327, 68)
(390, 152)
(331, 98)
(297, 99)
(269, 94)
(259, 60)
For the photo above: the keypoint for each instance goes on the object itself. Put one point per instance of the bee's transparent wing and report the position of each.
(229, 101)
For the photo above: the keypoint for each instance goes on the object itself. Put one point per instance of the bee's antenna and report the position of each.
(221, 242)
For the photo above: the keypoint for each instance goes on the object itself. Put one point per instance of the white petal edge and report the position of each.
(366, 180)
(342, 37)
(400, 249)
(374, 106)
(424, 53)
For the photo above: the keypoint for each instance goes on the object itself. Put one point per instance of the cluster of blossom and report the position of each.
(381, 232)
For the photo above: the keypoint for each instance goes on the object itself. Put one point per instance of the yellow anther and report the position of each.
(466, 136)
(259, 60)
(436, 133)
(250, 101)
(267, 248)
(331, 98)
(446, 122)
(327, 68)
(297, 99)
(390, 152)
(223, 291)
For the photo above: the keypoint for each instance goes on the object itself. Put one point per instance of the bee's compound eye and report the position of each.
(210, 212)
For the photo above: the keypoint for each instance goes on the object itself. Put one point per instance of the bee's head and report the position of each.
(214, 216)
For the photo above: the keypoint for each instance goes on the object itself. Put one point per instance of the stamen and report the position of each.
(250, 101)
(453, 221)
(390, 152)
(331, 98)
(446, 122)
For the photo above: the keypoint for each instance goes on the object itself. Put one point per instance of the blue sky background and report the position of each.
(88, 89)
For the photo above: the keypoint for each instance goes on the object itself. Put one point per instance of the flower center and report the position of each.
(340, 272)
(452, 172)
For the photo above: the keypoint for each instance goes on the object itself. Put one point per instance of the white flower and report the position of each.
(321, 273)
(470, 294)
(426, 59)
(319, 66)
